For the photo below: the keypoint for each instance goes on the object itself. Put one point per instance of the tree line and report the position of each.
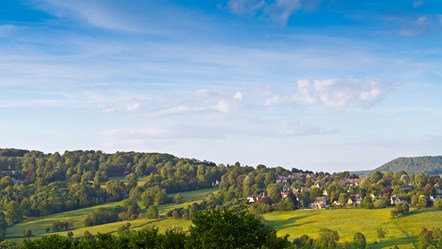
(36, 184)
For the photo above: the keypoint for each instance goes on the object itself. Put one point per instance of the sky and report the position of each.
(323, 85)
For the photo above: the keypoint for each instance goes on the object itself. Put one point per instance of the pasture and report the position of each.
(38, 225)
(401, 231)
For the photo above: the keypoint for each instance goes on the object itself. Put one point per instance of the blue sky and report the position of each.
(325, 85)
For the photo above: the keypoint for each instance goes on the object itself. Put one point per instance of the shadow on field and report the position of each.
(392, 242)
(290, 222)
(418, 211)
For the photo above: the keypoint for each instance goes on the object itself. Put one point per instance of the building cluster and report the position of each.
(295, 184)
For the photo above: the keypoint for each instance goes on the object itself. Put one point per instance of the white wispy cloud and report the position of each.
(238, 96)
(278, 11)
(100, 14)
(249, 7)
(208, 103)
(173, 133)
(281, 10)
(295, 128)
(415, 26)
(339, 94)
(133, 17)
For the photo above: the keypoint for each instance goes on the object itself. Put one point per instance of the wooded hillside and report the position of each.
(414, 165)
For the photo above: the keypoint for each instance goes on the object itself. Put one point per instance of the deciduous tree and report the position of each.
(359, 241)
(14, 213)
(231, 229)
(327, 238)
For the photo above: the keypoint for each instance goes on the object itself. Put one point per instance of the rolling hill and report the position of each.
(414, 165)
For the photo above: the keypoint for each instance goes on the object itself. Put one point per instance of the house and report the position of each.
(251, 198)
(432, 198)
(347, 182)
(215, 184)
(374, 197)
(354, 199)
(317, 185)
(336, 203)
(396, 199)
(16, 181)
(285, 194)
(318, 203)
(262, 198)
(281, 179)
(289, 194)
(301, 189)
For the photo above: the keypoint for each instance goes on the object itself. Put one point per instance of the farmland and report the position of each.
(39, 225)
(401, 231)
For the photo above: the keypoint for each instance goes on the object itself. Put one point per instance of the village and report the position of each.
(310, 191)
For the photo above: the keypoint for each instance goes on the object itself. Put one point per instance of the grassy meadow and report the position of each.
(401, 231)
(39, 225)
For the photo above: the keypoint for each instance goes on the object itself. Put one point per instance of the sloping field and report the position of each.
(401, 231)
(39, 225)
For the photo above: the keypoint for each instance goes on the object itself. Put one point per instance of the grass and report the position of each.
(38, 225)
(188, 198)
(401, 231)
(162, 224)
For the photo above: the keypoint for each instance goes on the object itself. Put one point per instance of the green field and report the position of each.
(401, 231)
(39, 225)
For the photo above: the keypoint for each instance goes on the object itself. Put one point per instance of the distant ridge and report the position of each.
(360, 172)
(414, 165)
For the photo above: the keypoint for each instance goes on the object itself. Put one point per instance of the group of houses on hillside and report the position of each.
(319, 202)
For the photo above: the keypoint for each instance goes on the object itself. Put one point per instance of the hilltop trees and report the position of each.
(44, 184)
(415, 165)
(36, 184)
